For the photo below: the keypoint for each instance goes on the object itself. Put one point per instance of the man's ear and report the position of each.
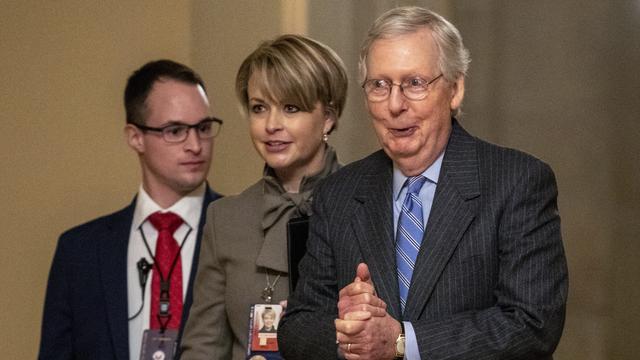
(135, 138)
(457, 94)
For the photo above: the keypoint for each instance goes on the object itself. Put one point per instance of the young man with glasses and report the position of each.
(454, 243)
(121, 282)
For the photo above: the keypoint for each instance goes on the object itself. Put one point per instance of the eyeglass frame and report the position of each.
(427, 86)
(162, 129)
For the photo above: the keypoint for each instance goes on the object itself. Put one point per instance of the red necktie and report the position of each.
(167, 251)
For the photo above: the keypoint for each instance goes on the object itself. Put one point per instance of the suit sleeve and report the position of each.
(307, 330)
(56, 340)
(207, 331)
(527, 317)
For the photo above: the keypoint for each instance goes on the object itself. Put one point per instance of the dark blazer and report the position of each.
(85, 310)
(490, 279)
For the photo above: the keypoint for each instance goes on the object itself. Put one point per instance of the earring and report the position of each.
(325, 137)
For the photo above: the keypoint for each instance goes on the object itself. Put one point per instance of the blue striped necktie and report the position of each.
(409, 235)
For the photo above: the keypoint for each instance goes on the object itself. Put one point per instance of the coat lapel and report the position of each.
(454, 207)
(112, 256)
(372, 225)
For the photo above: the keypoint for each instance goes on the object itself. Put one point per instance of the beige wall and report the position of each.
(64, 161)
(222, 39)
(557, 79)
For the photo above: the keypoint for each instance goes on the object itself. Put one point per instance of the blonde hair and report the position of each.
(268, 312)
(297, 69)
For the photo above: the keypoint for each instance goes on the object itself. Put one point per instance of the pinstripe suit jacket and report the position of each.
(490, 280)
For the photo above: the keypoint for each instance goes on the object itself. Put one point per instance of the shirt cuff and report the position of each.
(411, 351)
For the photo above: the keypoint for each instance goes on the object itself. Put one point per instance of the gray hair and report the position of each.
(453, 57)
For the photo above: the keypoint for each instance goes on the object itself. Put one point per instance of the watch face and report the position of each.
(400, 347)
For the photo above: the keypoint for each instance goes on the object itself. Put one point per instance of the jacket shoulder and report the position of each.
(88, 230)
(248, 198)
(375, 163)
(509, 162)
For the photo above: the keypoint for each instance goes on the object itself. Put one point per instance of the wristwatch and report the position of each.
(400, 342)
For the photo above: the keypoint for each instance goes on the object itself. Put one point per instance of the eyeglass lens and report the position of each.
(413, 88)
(179, 132)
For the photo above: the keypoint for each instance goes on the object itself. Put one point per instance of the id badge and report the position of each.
(157, 345)
(263, 332)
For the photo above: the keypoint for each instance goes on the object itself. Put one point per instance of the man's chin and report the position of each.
(188, 185)
(400, 152)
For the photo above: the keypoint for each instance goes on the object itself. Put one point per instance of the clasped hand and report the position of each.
(364, 329)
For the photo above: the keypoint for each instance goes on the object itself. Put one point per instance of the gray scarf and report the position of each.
(280, 206)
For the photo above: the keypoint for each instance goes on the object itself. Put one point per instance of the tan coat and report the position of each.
(228, 280)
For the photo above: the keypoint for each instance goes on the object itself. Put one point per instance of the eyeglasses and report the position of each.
(415, 88)
(176, 133)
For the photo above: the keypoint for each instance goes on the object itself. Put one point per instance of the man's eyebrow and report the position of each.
(178, 122)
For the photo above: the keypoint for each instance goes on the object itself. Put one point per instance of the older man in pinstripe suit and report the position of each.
(440, 245)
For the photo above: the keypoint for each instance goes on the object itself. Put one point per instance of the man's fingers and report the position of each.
(373, 310)
(348, 327)
(358, 315)
(361, 299)
(363, 276)
(348, 350)
(362, 272)
(367, 298)
(361, 302)
(344, 339)
(356, 288)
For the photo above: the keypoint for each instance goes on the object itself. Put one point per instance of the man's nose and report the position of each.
(397, 100)
(193, 141)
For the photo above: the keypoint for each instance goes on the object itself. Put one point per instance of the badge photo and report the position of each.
(263, 330)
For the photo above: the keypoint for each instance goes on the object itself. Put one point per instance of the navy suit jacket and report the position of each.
(85, 310)
(490, 280)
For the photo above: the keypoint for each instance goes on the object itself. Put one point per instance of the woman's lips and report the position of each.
(276, 145)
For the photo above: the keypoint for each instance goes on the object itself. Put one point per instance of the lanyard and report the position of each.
(164, 316)
(267, 292)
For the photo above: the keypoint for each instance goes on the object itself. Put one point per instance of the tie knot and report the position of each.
(414, 184)
(165, 221)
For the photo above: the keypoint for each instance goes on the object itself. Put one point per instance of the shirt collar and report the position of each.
(188, 207)
(432, 173)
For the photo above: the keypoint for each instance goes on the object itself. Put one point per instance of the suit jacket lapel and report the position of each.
(372, 225)
(454, 207)
(112, 248)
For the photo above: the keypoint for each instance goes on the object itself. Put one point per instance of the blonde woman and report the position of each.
(294, 90)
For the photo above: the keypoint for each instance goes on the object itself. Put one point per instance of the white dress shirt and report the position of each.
(189, 209)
